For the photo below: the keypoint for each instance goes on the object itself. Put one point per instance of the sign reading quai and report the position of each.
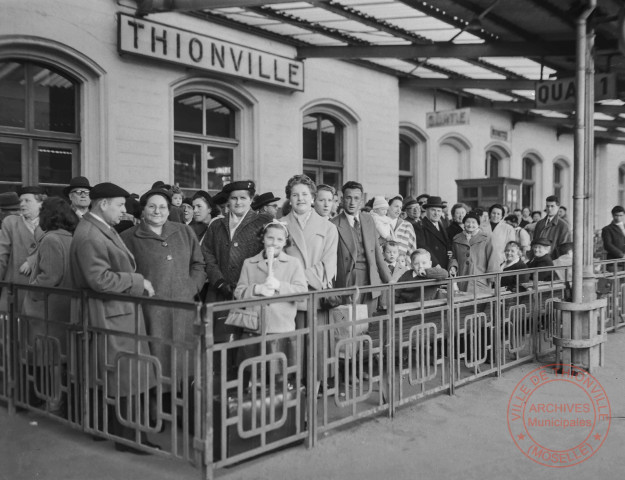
(447, 118)
(171, 44)
(558, 92)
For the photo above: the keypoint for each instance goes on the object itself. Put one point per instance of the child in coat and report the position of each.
(421, 270)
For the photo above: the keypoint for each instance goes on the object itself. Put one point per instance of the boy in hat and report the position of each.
(541, 248)
(78, 193)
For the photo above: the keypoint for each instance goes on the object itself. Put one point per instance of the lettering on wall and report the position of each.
(447, 118)
(170, 44)
(562, 92)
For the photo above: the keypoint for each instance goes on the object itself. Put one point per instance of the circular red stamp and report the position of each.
(559, 415)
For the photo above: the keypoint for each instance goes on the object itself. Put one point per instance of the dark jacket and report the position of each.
(510, 282)
(407, 295)
(557, 231)
(434, 241)
(544, 261)
(613, 241)
(453, 230)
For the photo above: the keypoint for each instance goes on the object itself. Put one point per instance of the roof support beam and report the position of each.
(456, 83)
(441, 50)
(145, 7)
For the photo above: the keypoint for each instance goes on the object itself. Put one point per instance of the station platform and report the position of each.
(462, 436)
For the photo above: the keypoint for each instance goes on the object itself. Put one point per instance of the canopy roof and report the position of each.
(487, 52)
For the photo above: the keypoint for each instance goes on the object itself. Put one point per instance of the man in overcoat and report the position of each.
(431, 234)
(553, 227)
(613, 235)
(359, 257)
(228, 242)
(101, 262)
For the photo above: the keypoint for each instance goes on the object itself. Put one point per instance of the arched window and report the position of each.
(323, 149)
(492, 164)
(621, 185)
(412, 155)
(406, 168)
(205, 141)
(529, 186)
(558, 178)
(562, 180)
(39, 127)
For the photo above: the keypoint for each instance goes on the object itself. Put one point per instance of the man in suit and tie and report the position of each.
(431, 234)
(553, 227)
(359, 258)
(613, 235)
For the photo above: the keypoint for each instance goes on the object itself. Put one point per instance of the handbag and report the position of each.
(246, 319)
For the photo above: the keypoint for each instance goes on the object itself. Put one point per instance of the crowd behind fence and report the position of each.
(217, 404)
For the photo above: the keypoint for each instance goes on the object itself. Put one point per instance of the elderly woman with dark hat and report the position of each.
(228, 242)
(202, 207)
(18, 240)
(168, 254)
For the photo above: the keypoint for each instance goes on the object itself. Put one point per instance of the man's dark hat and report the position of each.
(160, 184)
(220, 198)
(542, 241)
(187, 201)
(264, 199)
(107, 190)
(204, 196)
(434, 202)
(133, 207)
(35, 190)
(155, 191)
(9, 201)
(408, 201)
(76, 182)
(248, 185)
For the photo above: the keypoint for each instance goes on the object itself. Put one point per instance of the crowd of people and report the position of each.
(239, 244)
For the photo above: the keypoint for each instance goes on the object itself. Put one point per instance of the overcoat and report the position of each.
(473, 257)
(613, 241)
(434, 241)
(280, 316)
(173, 262)
(557, 231)
(315, 247)
(17, 245)
(499, 238)
(101, 262)
(51, 270)
(346, 253)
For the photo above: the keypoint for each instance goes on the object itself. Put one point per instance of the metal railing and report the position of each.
(216, 404)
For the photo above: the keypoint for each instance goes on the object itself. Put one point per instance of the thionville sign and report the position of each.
(447, 118)
(558, 92)
(166, 43)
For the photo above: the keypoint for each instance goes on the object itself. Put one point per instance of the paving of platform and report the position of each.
(463, 436)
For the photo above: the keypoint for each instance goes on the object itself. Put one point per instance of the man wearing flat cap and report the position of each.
(413, 211)
(78, 193)
(431, 234)
(101, 262)
(228, 242)
(267, 204)
(19, 237)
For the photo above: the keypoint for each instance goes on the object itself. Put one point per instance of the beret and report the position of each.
(107, 190)
(204, 196)
(542, 241)
(264, 199)
(35, 190)
(408, 201)
(155, 191)
(248, 185)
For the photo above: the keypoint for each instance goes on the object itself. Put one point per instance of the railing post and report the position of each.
(390, 361)
(311, 368)
(84, 380)
(11, 356)
(535, 316)
(205, 377)
(498, 322)
(452, 335)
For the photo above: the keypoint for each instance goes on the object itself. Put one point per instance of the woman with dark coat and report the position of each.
(458, 211)
(47, 314)
(168, 254)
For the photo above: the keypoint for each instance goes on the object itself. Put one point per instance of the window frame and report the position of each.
(319, 165)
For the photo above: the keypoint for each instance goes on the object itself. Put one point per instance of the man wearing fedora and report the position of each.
(78, 193)
(266, 203)
(9, 205)
(431, 234)
(101, 262)
(413, 211)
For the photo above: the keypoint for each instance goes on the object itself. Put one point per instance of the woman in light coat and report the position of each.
(314, 242)
(168, 254)
(472, 254)
(500, 232)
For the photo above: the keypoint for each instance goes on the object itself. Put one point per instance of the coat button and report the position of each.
(235, 244)
(169, 257)
(164, 244)
(468, 255)
(468, 263)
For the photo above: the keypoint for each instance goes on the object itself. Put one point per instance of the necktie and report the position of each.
(356, 223)
(391, 268)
